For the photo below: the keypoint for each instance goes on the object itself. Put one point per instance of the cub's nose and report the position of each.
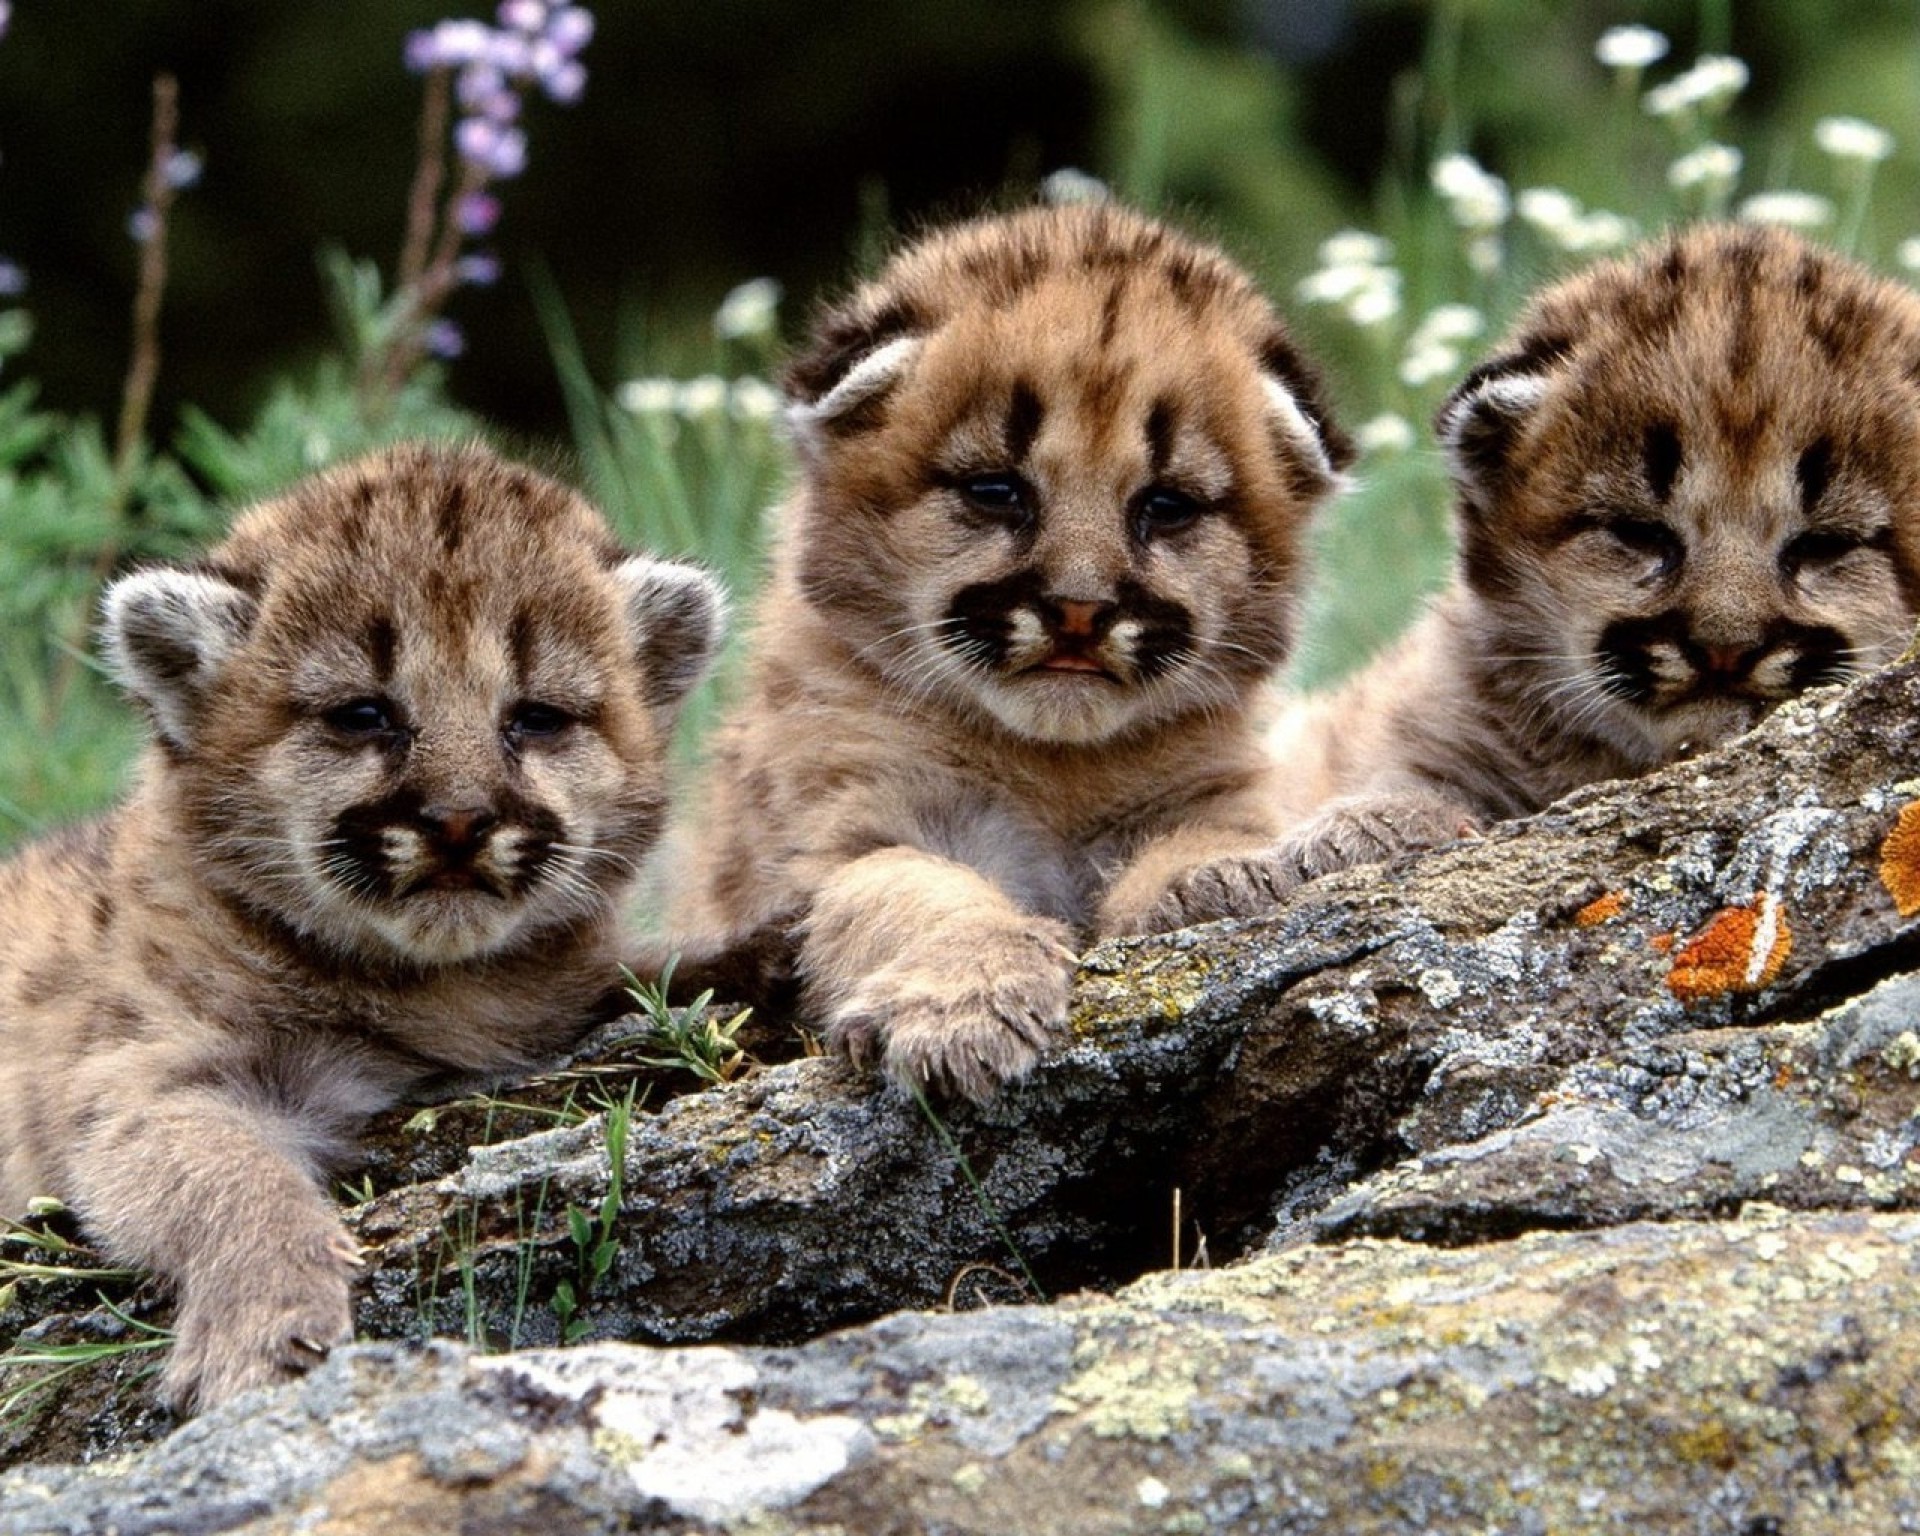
(1729, 663)
(457, 828)
(1071, 618)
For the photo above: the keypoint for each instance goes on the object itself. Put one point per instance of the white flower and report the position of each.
(1425, 362)
(648, 397)
(1484, 254)
(1853, 138)
(702, 398)
(1386, 433)
(1335, 285)
(1712, 82)
(1447, 322)
(1377, 302)
(1715, 165)
(1797, 210)
(753, 399)
(1909, 253)
(1355, 248)
(749, 310)
(1602, 231)
(1476, 198)
(1069, 185)
(1548, 209)
(1630, 47)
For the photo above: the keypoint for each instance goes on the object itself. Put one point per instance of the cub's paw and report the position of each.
(1239, 885)
(1373, 830)
(268, 1317)
(966, 1020)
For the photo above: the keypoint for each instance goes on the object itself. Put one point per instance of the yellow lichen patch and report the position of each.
(1900, 861)
(1600, 909)
(1741, 950)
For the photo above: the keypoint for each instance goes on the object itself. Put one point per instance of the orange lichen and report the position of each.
(1740, 950)
(1900, 861)
(1600, 909)
(1663, 941)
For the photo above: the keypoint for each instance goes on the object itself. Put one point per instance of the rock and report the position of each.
(1740, 1376)
(1662, 1000)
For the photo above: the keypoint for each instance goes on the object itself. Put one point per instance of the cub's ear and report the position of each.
(1481, 421)
(167, 633)
(678, 614)
(1296, 401)
(836, 387)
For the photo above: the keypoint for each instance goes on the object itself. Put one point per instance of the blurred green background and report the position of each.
(721, 142)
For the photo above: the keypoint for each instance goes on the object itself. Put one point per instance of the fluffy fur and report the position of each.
(410, 724)
(1040, 564)
(1688, 488)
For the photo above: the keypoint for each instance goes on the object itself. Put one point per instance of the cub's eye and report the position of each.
(1161, 509)
(535, 721)
(1649, 539)
(363, 717)
(1003, 496)
(1818, 546)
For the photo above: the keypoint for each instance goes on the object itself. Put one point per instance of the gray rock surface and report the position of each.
(1672, 1001)
(1740, 1376)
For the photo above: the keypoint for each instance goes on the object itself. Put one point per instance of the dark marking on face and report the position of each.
(979, 623)
(520, 645)
(453, 841)
(1025, 413)
(1660, 455)
(382, 643)
(1840, 328)
(449, 517)
(1626, 651)
(1110, 311)
(100, 910)
(1160, 425)
(1815, 473)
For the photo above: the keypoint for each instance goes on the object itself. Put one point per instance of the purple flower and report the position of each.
(509, 52)
(565, 82)
(422, 52)
(477, 138)
(461, 42)
(482, 269)
(479, 83)
(6, 16)
(144, 224)
(13, 280)
(509, 157)
(570, 28)
(183, 169)
(523, 15)
(443, 339)
(503, 106)
(478, 212)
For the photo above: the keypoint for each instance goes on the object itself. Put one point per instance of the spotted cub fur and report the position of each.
(1040, 563)
(1688, 488)
(409, 730)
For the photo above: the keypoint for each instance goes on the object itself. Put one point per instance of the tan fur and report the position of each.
(1689, 487)
(1000, 687)
(299, 918)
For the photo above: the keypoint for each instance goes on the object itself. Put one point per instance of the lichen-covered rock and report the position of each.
(1666, 999)
(1741, 1376)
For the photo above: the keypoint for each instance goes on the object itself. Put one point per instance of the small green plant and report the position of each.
(595, 1247)
(55, 1363)
(987, 1207)
(687, 1039)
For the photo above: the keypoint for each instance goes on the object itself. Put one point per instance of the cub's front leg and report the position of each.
(923, 964)
(1248, 881)
(202, 1187)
